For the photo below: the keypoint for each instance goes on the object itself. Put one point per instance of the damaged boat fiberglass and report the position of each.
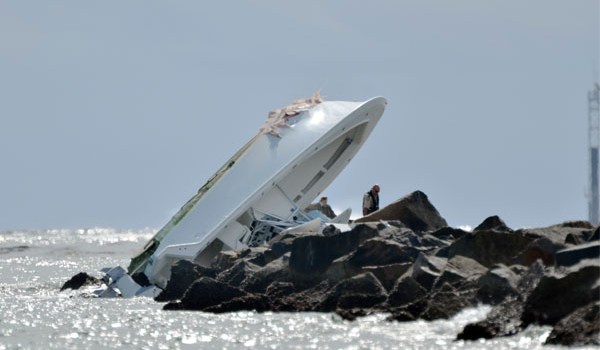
(259, 192)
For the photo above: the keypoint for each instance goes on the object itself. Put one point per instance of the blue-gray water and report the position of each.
(34, 264)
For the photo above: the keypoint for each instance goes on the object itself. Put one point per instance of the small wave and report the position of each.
(8, 250)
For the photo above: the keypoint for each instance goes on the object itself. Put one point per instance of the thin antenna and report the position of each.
(594, 146)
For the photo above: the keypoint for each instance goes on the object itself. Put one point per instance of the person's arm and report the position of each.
(366, 204)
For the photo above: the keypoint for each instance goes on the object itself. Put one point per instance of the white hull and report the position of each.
(263, 188)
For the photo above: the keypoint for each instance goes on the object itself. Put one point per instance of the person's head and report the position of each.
(323, 200)
(375, 188)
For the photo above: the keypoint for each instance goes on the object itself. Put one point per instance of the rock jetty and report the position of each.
(404, 260)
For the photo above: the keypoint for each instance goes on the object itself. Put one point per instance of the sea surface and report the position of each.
(34, 264)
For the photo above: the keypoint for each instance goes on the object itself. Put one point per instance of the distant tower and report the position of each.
(594, 139)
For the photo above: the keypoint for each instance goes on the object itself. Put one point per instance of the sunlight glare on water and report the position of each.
(34, 265)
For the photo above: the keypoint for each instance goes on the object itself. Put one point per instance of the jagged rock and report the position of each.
(379, 251)
(277, 289)
(388, 274)
(312, 255)
(504, 319)
(560, 293)
(341, 269)
(448, 233)
(447, 301)
(276, 270)
(305, 300)
(183, 274)
(458, 270)
(577, 224)
(79, 280)
(490, 247)
(595, 236)
(414, 210)
(492, 223)
(420, 242)
(541, 248)
(238, 272)
(362, 291)
(225, 259)
(406, 291)
(558, 233)
(574, 255)
(203, 293)
(580, 328)
(247, 302)
(427, 269)
(497, 284)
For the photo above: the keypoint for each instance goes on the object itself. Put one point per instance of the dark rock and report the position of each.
(279, 289)
(407, 290)
(248, 302)
(490, 247)
(388, 274)
(577, 224)
(422, 242)
(379, 251)
(225, 259)
(558, 233)
(449, 233)
(341, 269)
(572, 256)
(497, 284)
(79, 280)
(580, 328)
(492, 223)
(414, 210)
(312, 255)
(351, 314)
(595, 236)
(427, 269)
(447, 301)
(458, 270)
(504, 319)
(238, 272)
(203, 293)
(305, 300)
(360, 291)
(276, 270)
(558, 294)
(183, 274)
(541, 248)
(331, 230)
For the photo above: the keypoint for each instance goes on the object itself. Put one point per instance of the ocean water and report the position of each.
(35, 315)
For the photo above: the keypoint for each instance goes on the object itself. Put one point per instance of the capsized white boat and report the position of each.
(260, 191)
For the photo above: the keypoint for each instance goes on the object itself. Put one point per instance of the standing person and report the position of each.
(371, 200)
(323, 207)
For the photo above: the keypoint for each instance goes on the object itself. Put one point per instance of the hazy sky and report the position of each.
(114, 113)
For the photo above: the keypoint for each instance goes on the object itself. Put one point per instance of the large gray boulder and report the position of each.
(562, 292)
(311, 256)
(490, 247)
(361, 291)
(414, 210)
(573, 255)
(504, 319)
(496, 284)
(458, 270)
